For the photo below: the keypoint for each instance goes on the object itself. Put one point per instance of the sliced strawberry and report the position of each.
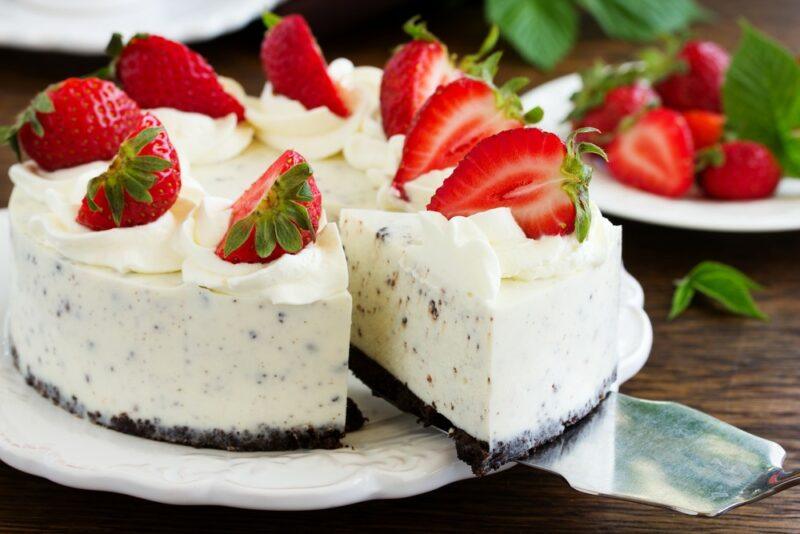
(742, 170)
(158, 72)
(706, 127)
(452, 121)
(73, 122)
(293, 63)
(655, 154)
(542, 181)
(697, 84)
(416, 69)
(411, 75)
(141, 184)
(619, 103)
(279, 214)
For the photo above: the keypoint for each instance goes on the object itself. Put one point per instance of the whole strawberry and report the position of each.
(293, 63)
(740, 170)
(619, 103)
(73, 122)
(141, 184)
(279, 214)
(543, 181)
(158, 72)
(698, 82)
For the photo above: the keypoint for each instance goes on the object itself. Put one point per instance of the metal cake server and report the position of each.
(665, 454)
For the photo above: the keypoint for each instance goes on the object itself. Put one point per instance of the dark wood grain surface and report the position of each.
(743, 371)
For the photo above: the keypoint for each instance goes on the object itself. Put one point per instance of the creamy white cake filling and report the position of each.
(210, 348)
(506, 336)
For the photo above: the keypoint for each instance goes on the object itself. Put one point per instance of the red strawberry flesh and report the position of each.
(523, 169)
(453, 120)
(655, 154)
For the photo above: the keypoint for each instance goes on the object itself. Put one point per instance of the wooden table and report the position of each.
(743, 371)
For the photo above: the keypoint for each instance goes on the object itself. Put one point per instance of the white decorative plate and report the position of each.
(85, 26)
(779, 213)
(391, 457)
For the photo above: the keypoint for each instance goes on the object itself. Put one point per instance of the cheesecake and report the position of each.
(473, 325)
(135, 316)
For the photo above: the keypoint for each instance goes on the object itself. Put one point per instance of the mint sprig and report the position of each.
(761, 97)
(543, 31)
(721, 283)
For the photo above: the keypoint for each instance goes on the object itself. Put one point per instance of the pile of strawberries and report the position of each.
(664, 129)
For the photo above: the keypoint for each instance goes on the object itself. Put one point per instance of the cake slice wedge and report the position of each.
(474, 326)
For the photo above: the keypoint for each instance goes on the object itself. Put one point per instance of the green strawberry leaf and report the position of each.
(761, 97)
(643, 20)
(288, 235)
(265, 238)
(684, 293)
(723, 284)
(542, 31)
(238, 234)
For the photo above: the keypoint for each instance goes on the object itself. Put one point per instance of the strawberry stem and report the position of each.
(41, 103)
(128, 173)
(469, 61)
(418, 30)
(278, 218)
(270, 19)
(578, 175)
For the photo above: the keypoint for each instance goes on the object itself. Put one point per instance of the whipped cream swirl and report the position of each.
(482, 250)
(200, 139)
(148, 248)
(318, 271)
(318, 133)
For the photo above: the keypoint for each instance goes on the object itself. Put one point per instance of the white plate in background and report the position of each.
(775, 214)
(85, 26)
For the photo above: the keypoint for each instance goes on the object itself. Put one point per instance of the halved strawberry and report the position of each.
(619, 102)
(706, 127)
(75, 121)
(293, 63)
(544, 182)
(141, 184)
(416, 69)
(453, 120)
(158, 72)
(655, 154)
(278, 214)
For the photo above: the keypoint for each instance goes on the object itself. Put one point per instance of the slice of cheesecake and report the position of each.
(494, 316)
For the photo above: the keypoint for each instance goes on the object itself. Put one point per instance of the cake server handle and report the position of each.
(665, 454)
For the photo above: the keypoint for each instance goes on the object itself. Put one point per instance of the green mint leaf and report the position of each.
(684, 293)
(642, 20)
(722, 283)
(288, 235)
(237, 235)
(542, 31)
(761, 97)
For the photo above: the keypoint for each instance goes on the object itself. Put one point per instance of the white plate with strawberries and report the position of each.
(650, 176)
(390, 457)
